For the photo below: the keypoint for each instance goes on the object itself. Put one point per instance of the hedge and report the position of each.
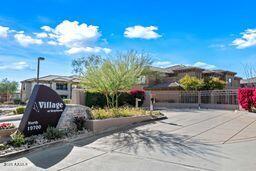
(95, 100)
(20, 110)
(125, 99)
(67, 101)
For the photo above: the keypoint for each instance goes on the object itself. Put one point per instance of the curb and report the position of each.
(11, 118)
(18, 153)
(91, 134)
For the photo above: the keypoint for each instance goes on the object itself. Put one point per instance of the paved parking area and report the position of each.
(187, 140)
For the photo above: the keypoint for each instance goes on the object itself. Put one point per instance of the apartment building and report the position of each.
(63, 85)
(168, 78)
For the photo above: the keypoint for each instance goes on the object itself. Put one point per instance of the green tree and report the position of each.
(8, 87)
(208, 83)
(111, 76)
(80, 64)
(154, 75)
(191, 83)
(213, 83)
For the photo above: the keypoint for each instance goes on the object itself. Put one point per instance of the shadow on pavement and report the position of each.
(48, 158)
(166, 143)
(134, 140)
(131, 139)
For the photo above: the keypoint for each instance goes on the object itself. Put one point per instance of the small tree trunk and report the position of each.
(117, 96)
(112, 100)
(107, 99)
(7, 98)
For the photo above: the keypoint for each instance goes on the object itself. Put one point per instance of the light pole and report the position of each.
(38, 68)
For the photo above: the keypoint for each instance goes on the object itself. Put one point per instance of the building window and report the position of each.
(61, 86)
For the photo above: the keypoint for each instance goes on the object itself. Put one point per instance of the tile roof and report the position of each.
(224, 71)
(176, 68)
(249, 80)
(157, 69)
(72, 78)
(165, 85)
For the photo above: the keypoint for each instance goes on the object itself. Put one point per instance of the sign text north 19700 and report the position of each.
(34, 126)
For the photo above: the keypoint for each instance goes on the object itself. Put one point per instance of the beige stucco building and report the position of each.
(168, 78)
(249, 82)
(160, 79)
(63, 85)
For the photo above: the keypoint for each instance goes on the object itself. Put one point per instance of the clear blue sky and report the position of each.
(212, 34)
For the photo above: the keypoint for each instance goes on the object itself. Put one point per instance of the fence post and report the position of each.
(212, 97)
(137, 102)
(199, 99)
(228, 96)
(78, 96)
(151, 107)
(146, 102)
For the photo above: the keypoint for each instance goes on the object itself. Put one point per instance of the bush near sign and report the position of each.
(44, 109)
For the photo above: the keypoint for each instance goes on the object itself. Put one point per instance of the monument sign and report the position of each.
(44, 109)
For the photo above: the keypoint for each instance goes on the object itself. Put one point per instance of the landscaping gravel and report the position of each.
(38, 140)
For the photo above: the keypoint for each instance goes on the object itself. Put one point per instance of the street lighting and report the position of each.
(38, 67)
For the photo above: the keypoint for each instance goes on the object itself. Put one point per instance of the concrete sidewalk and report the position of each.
(11, 118)
(187, 140)
(15, 119)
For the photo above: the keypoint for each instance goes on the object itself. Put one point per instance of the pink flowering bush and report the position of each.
(140, 94)
(136, 92)
(254, 98)
(247, 98)
(6, 126)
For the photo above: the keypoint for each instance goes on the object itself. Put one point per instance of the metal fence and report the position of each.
(3, 98)
(219, 97)
(9, 97)
(199, 97)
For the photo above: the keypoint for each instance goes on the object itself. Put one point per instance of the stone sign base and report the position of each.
(73, 110)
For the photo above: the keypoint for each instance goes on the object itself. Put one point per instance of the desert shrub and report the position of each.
(3, 146)
(247, 98)
(120, 112)
(112, 113)
(80, 122)
(53, 133)
(16, 101)
(31, 140)
(67, 101)
(17, 139)
(20, 110)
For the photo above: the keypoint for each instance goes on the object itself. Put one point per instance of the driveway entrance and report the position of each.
(187, 140)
